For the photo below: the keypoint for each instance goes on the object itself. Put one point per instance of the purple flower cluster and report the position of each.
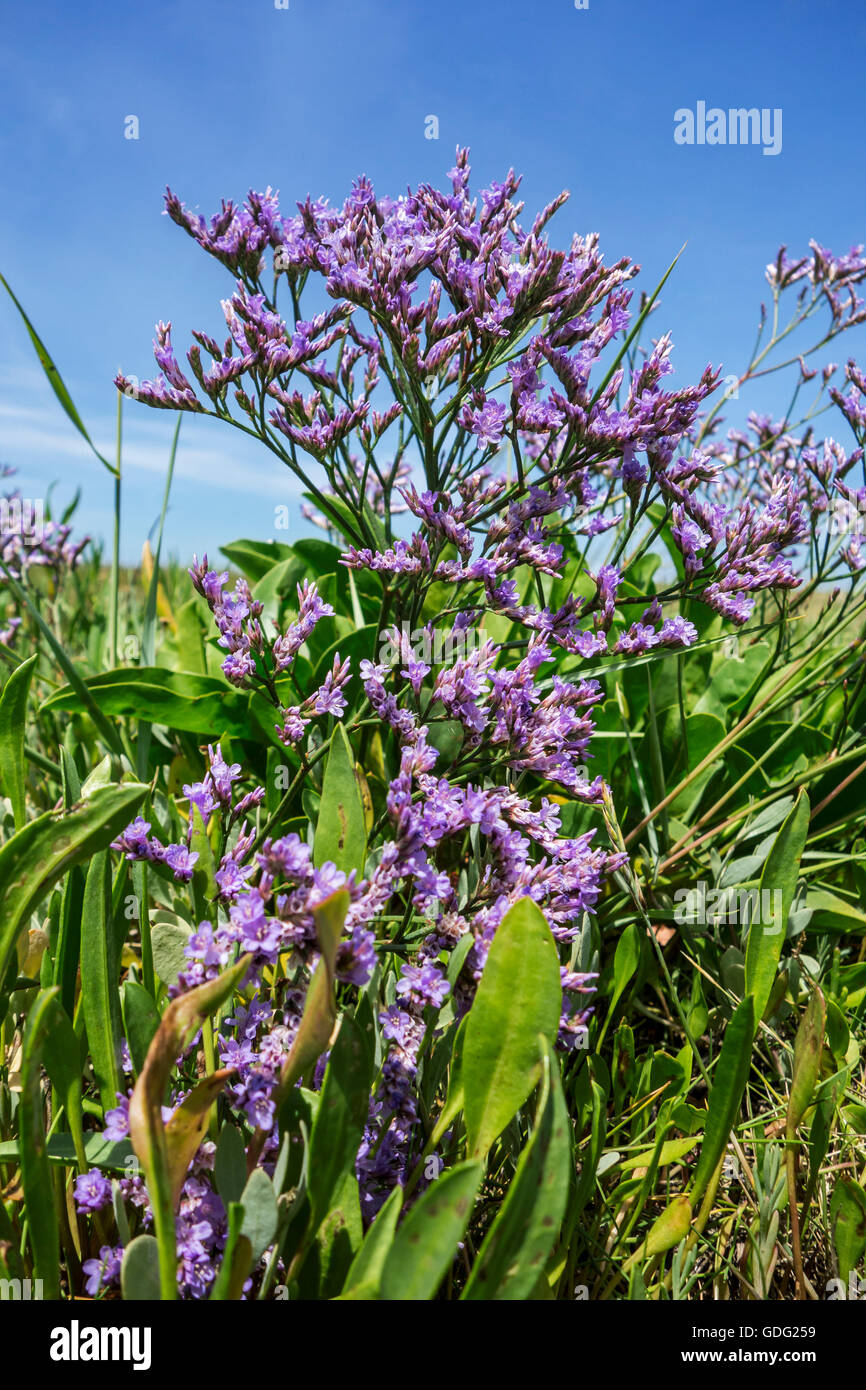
(462, 338)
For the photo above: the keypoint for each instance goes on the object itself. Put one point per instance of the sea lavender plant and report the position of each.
(453, 385)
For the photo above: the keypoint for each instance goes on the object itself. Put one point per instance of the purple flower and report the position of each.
(92, 1191)
(423, 984)
(103, 1272)
(181, 861)
(487, 422)
(117, 1120)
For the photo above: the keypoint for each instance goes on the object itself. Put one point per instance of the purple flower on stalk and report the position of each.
(424, 984)
(103, 1272)
(117, 1120)
(92, 1191)
(181, 861)
(486, 422)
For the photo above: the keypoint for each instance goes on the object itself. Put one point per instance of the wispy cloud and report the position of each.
(30, 440)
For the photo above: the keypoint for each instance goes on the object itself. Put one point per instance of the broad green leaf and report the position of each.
(527, 1225)
(68, 946)
(100, 969)
(777, 888)
(338, 1239)
(340, 1119)
(230, 1164)
(101, 776)
(366, 1269)
(111, 1155)
(168, 942)
(182, 700)
(139, 1272)
(341, 834)
(830, 912)
(255, 558)
(848, 1217)
(625, 962)
(519, 997)
(140, 1021)
(40, 854)
(261, 1215)
(204, 873)
(13, 709)
(426, 1244)
(729, 1082)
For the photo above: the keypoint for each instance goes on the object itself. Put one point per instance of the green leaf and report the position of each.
(666, 1231)
(341, 834)
(527, 1225)
(180, 1022)
(365, 1272)
(110, 1155)
(729, 1082)
(35, 1172)
(320, 1010)
(779, 877)
(204, 873)
(237, 1259)
(100, 968)
(139, 1272)
(625, 962)
(338, 1239)
(13, 709)
(181, 700)
(168, 943)
(832, 913)
(519, 997)
(808, 1046)
(340, 1119)
(40, 854)
(426, 1243)
(261, 1215)
(61, 1057)
(671, 1152)
(55, 380)
(255, 558)
(140, 1021)
(230, 1164)
(848, 1216)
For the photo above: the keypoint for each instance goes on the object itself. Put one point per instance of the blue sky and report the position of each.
(237, 95)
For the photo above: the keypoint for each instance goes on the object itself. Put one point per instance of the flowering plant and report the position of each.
(409, 807)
